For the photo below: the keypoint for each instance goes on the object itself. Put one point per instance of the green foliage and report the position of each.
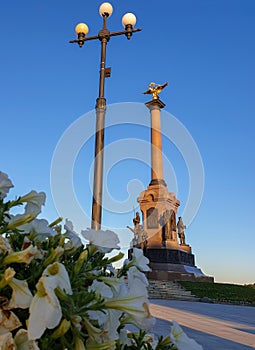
(143, 341)
(221, 291)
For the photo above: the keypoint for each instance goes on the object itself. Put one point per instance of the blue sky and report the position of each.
(205, 49)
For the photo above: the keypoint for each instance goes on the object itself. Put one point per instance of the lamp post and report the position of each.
(104, 35)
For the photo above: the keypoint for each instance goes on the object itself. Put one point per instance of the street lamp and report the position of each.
(104, 35)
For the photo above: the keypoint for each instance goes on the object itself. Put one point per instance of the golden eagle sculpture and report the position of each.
(154, 89)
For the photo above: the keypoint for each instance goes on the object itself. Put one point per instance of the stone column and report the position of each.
(157, 175)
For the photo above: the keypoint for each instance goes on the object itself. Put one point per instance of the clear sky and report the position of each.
(205, 49)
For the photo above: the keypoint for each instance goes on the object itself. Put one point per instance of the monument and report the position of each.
(161, 238)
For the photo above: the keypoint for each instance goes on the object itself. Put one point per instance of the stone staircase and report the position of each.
(169, 290)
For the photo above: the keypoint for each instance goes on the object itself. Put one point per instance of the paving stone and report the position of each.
(214, 326)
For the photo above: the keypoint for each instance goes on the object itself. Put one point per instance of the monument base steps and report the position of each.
(169, 290)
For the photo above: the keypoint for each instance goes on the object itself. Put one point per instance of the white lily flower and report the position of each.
(108, 319)
(109, 322)
(105, 241)
(23, 343)
(138, 282)
(21, 295)
(145, 323)
(5, 185)
(45, 302)
(40, 227)
(134, 303)
(72, 235)
(135, 275)
(61, 277)
(7, 341)
(24, 256)
(34, 201)
(135, 283)
(181, 340)
(8, 322)
(111, 325)
(113, 282)
(101, 289)
(140, 261)
(45, 310)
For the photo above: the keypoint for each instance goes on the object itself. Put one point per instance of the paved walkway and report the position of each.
(214, 326)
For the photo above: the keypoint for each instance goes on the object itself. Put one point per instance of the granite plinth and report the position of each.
(173, 256)
(177, 272)
(174, 265)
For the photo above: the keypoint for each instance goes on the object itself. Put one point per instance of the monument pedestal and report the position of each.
(170, 256)
(174, 265)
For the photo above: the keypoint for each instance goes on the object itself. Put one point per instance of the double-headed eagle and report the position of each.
(154, 89)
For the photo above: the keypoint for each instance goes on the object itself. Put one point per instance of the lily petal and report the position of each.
(61, 277)
(105, 241)
(34, 201)
(181, 340)
(5, 184)
(45, 312)
(140, 261)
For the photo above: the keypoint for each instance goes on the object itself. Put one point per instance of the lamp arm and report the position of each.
(125, 32)
(110, 34)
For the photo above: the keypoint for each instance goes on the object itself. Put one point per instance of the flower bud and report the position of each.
(62, 329)
(8, 275)
(54, 256)
(24, 256)
(79, 345)
(83, 256)
(19, 220)
(56, 222)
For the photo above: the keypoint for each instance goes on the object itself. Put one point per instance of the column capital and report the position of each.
(158, 182)
(155, 103)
